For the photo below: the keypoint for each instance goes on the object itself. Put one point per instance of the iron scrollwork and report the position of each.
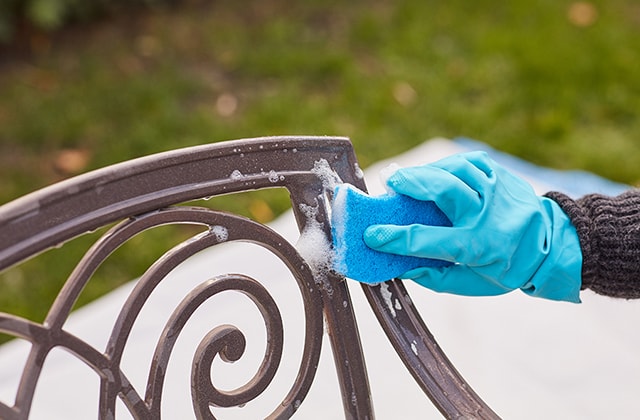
(143, 194)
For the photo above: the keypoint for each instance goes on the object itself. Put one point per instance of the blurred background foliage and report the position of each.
(84, 84)
(50, 15)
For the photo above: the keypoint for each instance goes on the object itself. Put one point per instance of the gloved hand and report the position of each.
(503, 237)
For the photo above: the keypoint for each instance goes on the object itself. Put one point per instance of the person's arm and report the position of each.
(609, 233)
(505, 237)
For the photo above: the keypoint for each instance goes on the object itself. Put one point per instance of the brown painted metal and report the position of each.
(141, 194)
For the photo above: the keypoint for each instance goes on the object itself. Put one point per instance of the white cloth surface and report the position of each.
(528, 358)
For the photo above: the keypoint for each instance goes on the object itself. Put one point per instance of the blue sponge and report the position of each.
(353, 211)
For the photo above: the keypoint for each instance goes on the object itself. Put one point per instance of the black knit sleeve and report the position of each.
(609, 233)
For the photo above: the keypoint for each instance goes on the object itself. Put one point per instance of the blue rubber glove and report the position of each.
(504, 237)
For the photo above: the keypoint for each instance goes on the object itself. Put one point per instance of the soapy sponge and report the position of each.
(353, 211)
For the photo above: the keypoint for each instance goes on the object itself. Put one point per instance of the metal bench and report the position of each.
(143, 193)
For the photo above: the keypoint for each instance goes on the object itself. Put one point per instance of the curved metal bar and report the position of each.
(229, 343)
(44, 339)
(422, 355)
(8, 413)
(228, 351)
(416, 346)
(53, 215)
(141, 190)
(344, 336)
(226, 341)
(120, 385)
(239, 229)
(97, 254)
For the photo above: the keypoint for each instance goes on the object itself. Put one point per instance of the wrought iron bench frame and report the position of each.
(143, 193)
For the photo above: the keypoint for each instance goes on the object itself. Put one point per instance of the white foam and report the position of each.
(313, 244)
(330, 179)
(387, 295)
(338, 224)
(220, 232)
(398, 305)
(385, 173)
(358, 171)
(273, 176)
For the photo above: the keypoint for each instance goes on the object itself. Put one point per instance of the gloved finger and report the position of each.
(479, 159)
(451, 194)
(455, 279)
(466, 167)
(436, 242)
(474, 168)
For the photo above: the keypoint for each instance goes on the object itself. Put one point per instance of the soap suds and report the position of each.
(338, 226)
(220, 232)
(386, 295)
(398, 305)
(273, 176)
(236, 174)
(313, 244)
(358, 171)
(330, 179)
(385, 173)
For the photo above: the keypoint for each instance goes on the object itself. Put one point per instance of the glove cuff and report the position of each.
(584, 228)
(558, 277)
(610, 240)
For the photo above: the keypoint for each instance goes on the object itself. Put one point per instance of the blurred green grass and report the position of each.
(555, 82)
